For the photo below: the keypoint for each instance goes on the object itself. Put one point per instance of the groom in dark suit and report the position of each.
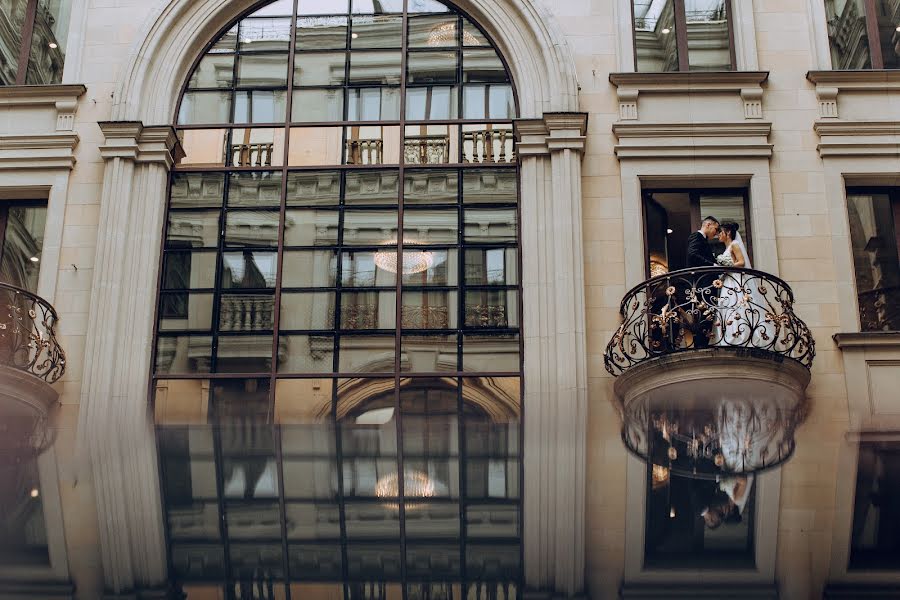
(700, 254)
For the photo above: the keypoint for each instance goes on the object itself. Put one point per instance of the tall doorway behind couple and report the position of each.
(672, 215)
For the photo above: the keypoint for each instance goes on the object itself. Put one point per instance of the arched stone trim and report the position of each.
(551, 134)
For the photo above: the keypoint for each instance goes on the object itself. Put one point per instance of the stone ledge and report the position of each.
(38, 151)
(21, 95)
(865, 340)
(741, 139)
(829, 84)
(858, 138)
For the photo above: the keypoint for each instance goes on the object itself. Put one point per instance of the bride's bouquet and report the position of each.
(725, 260)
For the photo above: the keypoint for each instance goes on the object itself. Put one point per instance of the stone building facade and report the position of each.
(625, 123)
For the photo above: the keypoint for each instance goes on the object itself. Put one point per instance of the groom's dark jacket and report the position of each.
(699, 252)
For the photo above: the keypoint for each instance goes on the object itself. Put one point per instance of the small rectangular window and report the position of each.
(683, 35)
(875, 537)
(21, 243)
(875, 234)
(863, 34)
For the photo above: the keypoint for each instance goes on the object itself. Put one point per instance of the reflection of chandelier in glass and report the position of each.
(414, 261)
(444, 35)
(415, 485)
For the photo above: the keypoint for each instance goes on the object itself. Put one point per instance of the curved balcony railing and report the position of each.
(28, 334)
(708, 307)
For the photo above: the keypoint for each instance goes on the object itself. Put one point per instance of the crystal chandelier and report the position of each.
(444, 35)
(414, 261)
(415, 485)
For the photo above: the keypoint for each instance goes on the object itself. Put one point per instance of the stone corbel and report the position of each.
(65, 114)
(752, 98)
(556, 131)
(131, 140)
(628, 107)
(827, 96)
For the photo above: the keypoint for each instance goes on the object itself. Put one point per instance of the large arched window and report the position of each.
(337, 368)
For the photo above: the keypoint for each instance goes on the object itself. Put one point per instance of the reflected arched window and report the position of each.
(337, 371)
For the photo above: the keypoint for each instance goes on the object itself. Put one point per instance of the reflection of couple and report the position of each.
(732, 298)
(727, 502)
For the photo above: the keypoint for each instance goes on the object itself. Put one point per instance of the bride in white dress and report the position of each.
(737, 294)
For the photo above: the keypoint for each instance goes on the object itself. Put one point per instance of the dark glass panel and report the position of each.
(490, 187)
(433, 67)
(307, 311)
(321, 33)
(654, 35)
(429, 310)
(252, 520)
(431, 187)
(14, 13)
(312, 520)
(24, 540)
(311, 227)
(369, 520)
(432, 519)
(197, 190)
(492, 266)
(23, 244)
(249, 270)
(185, 312)
(316, 562)
(254, 189)
(492, 520)
(309, 268)
(497, 353)
(255, 565)
(875, 534)
(193, 229)
(875, 259)
(247, 228)
(49, 42)
(492, 308)
(241, 406)
(306, 354)
(491, 225)
(374, 562)
(497, 564)
(183, 354)
(369, 269)
(368, 310)
(433, 560)
(198, 561)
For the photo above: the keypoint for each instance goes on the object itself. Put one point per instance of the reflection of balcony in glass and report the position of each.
(879, 309)
(365, 152)
(252, 155)
(488, 146)
(245, 312)
(427, 150)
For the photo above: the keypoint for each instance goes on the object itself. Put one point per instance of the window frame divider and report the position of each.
(27, 39)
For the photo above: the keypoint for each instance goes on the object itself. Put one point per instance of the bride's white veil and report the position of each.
(740, 244)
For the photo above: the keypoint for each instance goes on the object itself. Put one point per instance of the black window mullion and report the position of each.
(681, 36)
(27, 37)
(732, 45)
(873, 33)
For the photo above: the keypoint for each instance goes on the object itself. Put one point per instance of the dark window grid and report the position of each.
(682, 37)
(24, 51)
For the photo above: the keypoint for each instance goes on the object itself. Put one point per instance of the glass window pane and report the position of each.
(197, 190)
(306, 354)
(492, 308)
(325, 560)
(193, 229)
(888, 19)
(488, 144)
(491, 353)
(491, 225)
(255, 520)
(370, 227)
(246, 312)
(494, 562)
(213, 71)
(433, 560)
(23, 242)
(314, 188)
(318, 106)
(483, 66)
(314, 146)
(433, 31)
(432, 103)
(372, 145)
(254, 189)
(307, 311)
(492, 521)
(848, 34)
(368, 310)
(376, 31)
(492, 266)
(262, 70)
(490, 187)
(204, 147)
(372, 188)
(431, 144)
(875, 539)
(320, 68)
(428, 353)
(189, 270)
(311, 520)
(430, 267)
(264, 34)
(321, 33)
(472, 36)
(244, 354)
(183, 354)
(366, 354)
(258, 147)
(49, 42)
(260, 106)
(431, 226)
(201, 108)
(432, 67)
(654, 35)
(323, 7)
(374, 561)
(14, 11)
(875, 258)
(367, 7)
(373, 104)
(198, 561)
(250, 559)
(311, 228)
(309, 268)
(186, 402)
(24, 541)
(185, 312)
(227, 43)
(709, 39)
(427, 6)
(248, 270)
(429, 310)
(369, 269)
(375, 68)
(251, 228)
(303, 408)
(431, 187)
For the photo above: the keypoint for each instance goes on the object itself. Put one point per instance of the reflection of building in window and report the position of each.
(875, 541)
(44, 50)
(704, 44)
(850, 23)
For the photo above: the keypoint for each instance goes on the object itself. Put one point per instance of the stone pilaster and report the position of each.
(550, 151)
(116, 429)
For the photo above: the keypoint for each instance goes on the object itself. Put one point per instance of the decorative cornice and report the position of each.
(747, 83)
(858, 138)
(38, 151)
(130, 140)
(829, 84)
(64, 97)
(554, 132)
(743, 139)
(868, 340)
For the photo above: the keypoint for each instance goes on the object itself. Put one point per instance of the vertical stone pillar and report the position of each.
(555, 414)
(116, 428)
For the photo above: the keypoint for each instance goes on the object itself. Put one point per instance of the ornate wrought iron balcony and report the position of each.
(710, 307)
(28, 334)
(712, 366)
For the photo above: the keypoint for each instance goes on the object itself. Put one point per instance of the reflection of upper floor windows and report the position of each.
(683, 35)
(33, 36)
(864, 34)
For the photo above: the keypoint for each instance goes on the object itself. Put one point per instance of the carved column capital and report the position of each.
(133, 141)
(552, 132)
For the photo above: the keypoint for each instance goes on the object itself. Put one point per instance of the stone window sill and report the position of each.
(869, 339)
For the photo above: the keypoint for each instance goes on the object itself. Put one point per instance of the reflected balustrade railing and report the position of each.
(709, 307)
(879, 309)
(28, 333)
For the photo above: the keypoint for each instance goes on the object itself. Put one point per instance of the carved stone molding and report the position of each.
(858, 138)
(831, 84)
(746, 84)
(131, 140)
(63, 97)
(744, 139)
(38, 151)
